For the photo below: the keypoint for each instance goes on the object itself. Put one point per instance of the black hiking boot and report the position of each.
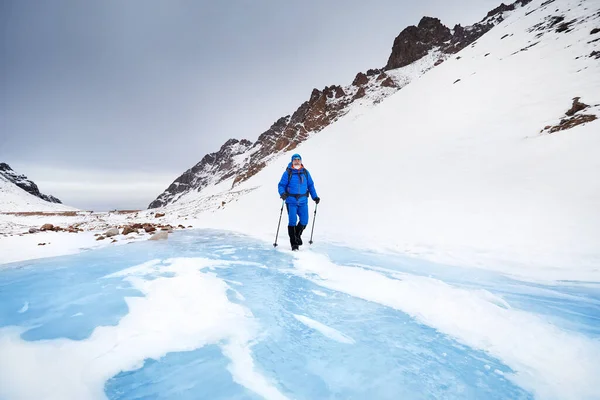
(299, 230)
(292, 233)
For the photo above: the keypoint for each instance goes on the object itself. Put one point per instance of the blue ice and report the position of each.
(300, 339)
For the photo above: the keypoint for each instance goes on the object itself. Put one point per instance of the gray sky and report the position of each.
(104, 103)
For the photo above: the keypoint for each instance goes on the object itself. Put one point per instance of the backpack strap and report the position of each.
(305, 172)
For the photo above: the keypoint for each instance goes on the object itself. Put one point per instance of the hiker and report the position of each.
(294, 187)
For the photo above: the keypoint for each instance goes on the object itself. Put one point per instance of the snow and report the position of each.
(325, 330)
(403, 76)
(16, 244)
(24, 308)
(15, 199)
(457, 172)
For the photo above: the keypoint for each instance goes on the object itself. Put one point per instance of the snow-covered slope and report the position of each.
(15, 199)
(415, 51)
(460, 164)
(26, 184)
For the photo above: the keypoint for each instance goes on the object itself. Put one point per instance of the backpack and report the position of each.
(305, 173)
(289, 170)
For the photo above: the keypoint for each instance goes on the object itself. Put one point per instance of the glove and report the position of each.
(284, 196)
(317, 200)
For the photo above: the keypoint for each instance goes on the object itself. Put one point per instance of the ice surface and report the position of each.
(180, 319)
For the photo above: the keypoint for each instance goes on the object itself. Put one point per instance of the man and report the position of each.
(294, 187)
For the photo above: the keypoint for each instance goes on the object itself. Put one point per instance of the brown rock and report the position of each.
(415, 41)
(41, 244)
(128, 229)
(569, 123)
(333, 91)
(159, 215)
(359, 93)
(190, 226)
(360, 79)
(181, 226)
(33, 230)
(47, 227)
(100, 237)
(114, 241)
(576, 107)
(389, 82)
(149, 228)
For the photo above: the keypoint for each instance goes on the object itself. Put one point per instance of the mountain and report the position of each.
(416, 50)
(27, 185)
(489, 159)
(17, 193)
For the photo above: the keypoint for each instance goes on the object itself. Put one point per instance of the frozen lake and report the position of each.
(210, 314)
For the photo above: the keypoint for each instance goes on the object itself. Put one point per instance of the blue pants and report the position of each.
(295, 211)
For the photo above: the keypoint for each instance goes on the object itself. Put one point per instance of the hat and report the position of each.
(296, 156)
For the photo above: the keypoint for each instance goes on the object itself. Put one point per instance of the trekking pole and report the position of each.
(279, 223)
(313, 225)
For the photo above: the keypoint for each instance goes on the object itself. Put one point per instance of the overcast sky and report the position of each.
(104, 103)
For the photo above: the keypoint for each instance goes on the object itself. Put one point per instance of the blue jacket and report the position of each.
(300, 182)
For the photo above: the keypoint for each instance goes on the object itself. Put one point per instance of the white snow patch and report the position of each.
(244, 372)
(15, 199)
(325, 330)
(26, 247)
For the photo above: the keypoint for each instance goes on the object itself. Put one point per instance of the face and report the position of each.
(297, 161)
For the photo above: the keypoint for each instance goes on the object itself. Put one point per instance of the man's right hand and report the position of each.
(284, 196)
